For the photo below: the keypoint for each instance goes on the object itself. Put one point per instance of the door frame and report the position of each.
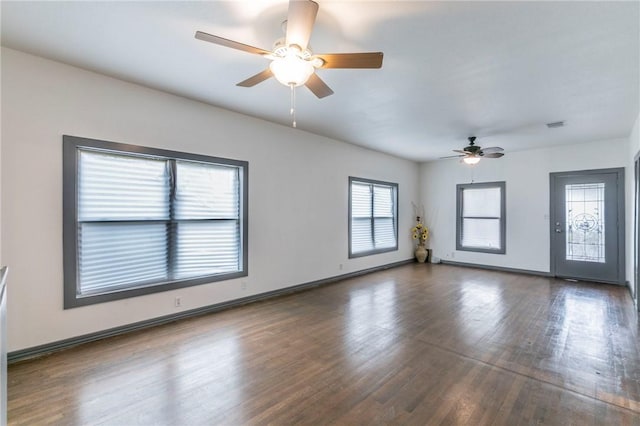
(636, 229)
(619, 171)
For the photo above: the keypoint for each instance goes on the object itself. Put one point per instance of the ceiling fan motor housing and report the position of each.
(292, 61)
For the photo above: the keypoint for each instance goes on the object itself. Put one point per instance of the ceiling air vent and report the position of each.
(555, 124)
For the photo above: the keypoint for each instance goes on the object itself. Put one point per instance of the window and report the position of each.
(481, 217)
(141, 220)
(373, 213)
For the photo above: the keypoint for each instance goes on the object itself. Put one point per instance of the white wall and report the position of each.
(297, 192)
(634, 149)
(1, 260)
(526, 174)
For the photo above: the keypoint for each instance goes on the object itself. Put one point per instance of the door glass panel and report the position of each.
(585, 222)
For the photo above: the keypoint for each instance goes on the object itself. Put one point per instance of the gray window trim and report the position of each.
(503, 216)
(71, 146)
(395, 218)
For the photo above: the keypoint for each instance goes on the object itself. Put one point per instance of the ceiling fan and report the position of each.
(292, 62)
(473, 153)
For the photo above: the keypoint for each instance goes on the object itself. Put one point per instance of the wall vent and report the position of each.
(555, 124)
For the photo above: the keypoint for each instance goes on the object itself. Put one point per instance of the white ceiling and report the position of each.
(498, 70)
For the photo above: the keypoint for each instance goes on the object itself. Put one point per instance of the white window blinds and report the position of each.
(123, 209)
(361, 214)
(207, 208)
(146, 221)
(373, 224)
(383, 217)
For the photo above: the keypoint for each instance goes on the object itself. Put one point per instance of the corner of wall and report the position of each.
(634, 151)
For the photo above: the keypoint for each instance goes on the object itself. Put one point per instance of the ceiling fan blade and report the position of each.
(493, 155)
(258, 78)
(453, 156)
(460, 151)
(300, 20)
(230, 43)
(351, 60)
(318, 87)
(492, 149)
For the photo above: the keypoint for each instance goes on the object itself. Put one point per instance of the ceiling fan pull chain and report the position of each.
(293, 104)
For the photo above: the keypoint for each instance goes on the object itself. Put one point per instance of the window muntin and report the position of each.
(481, 221)
(373, 225)
(140, 220)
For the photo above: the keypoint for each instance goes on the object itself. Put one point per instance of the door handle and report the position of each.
(558, 230)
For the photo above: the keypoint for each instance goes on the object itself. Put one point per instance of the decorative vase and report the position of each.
(421, 253)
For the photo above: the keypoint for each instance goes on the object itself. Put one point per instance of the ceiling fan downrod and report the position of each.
(292, 112)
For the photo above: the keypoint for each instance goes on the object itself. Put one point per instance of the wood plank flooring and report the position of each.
(416, 345)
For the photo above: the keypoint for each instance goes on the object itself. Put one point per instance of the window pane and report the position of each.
(481, 233)
(205, 191)
(373, 221)
(481, 202)
(116, 255)
(585, 222)
(382, 201)
(360, 200)
(207, 248)
(385, 236)
(361, 238)
(118, 187)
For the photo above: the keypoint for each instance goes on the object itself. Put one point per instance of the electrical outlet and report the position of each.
(340, 266)
(243, 285)
(177, 302)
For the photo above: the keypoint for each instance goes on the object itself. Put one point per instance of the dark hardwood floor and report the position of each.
(417, 345)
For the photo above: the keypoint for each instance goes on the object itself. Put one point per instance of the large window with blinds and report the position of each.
(373, 217)
(481, 217)
(141, 220)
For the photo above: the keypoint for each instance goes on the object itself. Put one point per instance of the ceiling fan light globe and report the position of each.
(291, 70)
(471, 160)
